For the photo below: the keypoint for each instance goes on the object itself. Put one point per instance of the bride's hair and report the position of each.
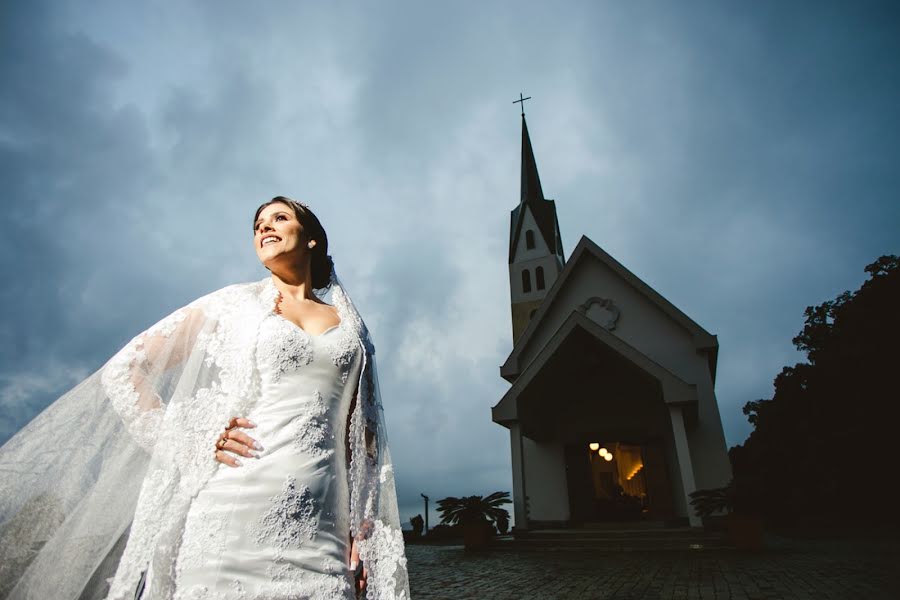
(320, 262)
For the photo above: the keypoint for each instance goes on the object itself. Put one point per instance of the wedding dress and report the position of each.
(275, 527)
(117, 486)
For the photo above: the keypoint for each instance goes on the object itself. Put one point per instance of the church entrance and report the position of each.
(617, 481)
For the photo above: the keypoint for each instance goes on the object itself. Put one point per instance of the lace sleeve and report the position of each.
(135, 378)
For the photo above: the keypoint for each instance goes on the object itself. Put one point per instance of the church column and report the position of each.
(518, 469)
(686, 468)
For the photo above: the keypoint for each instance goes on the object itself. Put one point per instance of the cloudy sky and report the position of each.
(741, 158)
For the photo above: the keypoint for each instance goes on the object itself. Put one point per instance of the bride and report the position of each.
(234, 450)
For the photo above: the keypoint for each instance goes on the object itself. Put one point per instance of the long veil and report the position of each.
(96, 487)
(71, 478)
(374, 516)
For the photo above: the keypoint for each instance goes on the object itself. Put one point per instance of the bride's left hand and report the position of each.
(360, 580)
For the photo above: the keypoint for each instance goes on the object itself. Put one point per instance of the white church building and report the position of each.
(612, 412)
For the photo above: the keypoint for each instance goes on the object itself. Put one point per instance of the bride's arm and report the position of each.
(133, 377)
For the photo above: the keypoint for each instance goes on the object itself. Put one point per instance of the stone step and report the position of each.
(624, 545)
(617, 540)
(623, 525)
(545, 534)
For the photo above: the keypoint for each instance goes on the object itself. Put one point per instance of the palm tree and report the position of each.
(475, 514)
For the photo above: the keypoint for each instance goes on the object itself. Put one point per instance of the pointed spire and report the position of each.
(542, 209)
(531, 183)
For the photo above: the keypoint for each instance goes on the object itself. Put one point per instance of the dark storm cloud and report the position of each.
(741, 159)
(770, 168)
(68, 156)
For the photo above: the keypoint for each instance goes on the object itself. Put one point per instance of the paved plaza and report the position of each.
(787, 571)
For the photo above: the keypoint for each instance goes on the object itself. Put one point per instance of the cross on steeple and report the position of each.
(521, 101)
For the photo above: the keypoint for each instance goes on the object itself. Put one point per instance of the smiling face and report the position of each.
(278, 236)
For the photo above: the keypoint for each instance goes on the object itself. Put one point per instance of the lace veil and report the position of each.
(96, 488)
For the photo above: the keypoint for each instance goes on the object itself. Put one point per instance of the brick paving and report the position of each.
(788, 571)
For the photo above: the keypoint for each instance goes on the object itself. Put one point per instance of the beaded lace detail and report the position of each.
(383, 551)
(286, 581)
(208, 537)
(311, 429)
(291, 519)
(287, 348)
(342, 344)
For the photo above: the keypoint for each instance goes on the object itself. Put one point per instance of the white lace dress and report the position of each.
(278, 526)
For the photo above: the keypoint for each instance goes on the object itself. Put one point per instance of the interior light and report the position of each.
(594, 445)
(608, 457)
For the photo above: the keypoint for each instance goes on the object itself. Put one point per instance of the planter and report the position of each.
(476, 535)
(744, 531)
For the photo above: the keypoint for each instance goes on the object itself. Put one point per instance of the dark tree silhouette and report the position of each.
(822, 447)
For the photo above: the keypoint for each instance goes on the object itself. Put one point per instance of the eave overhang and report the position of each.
(676, 391)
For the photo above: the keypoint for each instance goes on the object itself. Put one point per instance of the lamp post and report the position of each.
(426, 513)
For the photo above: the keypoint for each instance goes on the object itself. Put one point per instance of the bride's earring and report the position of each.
(311, 244)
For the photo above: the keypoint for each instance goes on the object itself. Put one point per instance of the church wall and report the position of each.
(551, 269)
(539, 256)
(709, 450)
(540, 248)
(521, 316)
(679, 500)
(545, 481)
(524, 304)
(643, 325)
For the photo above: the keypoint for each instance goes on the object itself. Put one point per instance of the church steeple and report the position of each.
(531, 182)
(543, 211)
(535, 245)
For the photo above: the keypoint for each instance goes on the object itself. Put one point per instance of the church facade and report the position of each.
(612, 413)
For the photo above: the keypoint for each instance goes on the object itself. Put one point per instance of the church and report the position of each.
(612, 412)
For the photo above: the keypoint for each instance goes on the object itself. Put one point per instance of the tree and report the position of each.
(821, 446)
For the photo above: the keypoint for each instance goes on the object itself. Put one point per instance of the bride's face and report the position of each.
(278, 235)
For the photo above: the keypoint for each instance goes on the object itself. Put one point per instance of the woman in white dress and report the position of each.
(234, 450)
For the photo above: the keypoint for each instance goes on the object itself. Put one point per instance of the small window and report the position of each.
(526, 281)
(539, 277)
(529, 239)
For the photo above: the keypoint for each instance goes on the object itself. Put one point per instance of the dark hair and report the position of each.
(320, 262)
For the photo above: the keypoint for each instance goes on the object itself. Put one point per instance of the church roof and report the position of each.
(532, 196)
(677, 391)
(703, 340)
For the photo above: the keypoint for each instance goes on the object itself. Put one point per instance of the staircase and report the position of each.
(615, 537)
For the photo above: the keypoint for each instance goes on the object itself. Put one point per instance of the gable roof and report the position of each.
(675, 389)
(703, 340)
(532, 196)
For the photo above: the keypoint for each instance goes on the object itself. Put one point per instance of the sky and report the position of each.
(743, 159)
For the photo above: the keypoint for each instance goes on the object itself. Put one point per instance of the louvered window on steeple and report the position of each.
(529, 239)
(526, 281)
(539, 277)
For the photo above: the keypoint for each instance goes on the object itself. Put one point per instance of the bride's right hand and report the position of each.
(238, 442)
